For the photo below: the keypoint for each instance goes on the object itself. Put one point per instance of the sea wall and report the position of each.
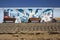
(30, 31)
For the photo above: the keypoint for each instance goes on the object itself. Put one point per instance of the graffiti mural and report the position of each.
(24, 14)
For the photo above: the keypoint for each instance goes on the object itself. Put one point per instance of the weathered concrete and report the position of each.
(30, 31)
(29, 27)
(39, 27)
(8, 28)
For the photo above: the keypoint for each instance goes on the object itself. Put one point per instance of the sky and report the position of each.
(29, 3)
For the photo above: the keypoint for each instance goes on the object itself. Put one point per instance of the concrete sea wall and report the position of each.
(30, 31)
